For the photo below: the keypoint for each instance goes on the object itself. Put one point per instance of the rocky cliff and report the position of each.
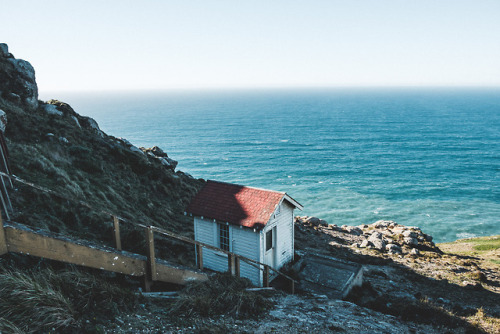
(17, 82)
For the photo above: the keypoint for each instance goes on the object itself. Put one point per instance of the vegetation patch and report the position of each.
(221, 294)
(43, 300)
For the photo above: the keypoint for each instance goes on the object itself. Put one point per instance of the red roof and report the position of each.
(240, 205)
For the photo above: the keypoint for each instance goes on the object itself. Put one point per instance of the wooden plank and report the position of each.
(26, 242)
(116, 233)
(178, 276)
(199, 256)
(3, 242)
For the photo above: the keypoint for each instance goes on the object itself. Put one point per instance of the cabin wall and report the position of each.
(244, 241)
(284, 243)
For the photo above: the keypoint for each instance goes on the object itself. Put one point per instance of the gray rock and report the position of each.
(411, 241)
(125, 142)
(3, 120)
(90, 123)
(168, 162)
(52, 110)
(382, 223)
(334, 227)
(378, 244)
(4, 50)
(414, 251)
(76, 121)
(136, 149)
(365, 243)
(375, 236)
(313, 221)
(353, 230)
(393, 249)
(410, 234)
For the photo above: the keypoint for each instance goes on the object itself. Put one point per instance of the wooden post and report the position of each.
(3, 241)
(266, 276)
(230, 259)
(150, 276)
(116, 233)
(236, 266)
(199, 256)
(292, 288)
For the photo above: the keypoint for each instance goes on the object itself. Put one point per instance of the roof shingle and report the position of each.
(235, 204)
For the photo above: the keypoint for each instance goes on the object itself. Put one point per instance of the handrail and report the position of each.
(117, 218)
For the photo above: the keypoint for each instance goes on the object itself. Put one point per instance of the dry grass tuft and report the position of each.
(43, 300)
(222, 294)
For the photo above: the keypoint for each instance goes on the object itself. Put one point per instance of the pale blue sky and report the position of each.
(113, 45)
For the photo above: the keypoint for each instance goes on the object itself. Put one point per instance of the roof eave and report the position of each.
(293, 202)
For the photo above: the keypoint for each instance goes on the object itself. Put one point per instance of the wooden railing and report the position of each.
(151, 272)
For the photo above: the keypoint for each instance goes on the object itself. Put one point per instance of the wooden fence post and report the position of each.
(236, 266)
(116, 233)
(3, 241)
(199, 256)
(230, 259)
(150, 275)
(266, 276)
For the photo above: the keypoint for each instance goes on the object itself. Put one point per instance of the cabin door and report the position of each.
(270, 247)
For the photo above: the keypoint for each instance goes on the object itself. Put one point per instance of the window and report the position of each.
(224, 237)
(269, 240)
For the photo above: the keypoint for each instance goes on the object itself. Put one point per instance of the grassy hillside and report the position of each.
(63, 153)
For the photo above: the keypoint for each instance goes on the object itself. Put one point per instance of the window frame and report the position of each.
(224, 237)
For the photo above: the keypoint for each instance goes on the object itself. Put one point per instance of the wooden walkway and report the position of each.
(16, 238)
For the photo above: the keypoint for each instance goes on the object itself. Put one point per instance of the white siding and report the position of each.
(284, 234)
(206, 231)
(244, 241)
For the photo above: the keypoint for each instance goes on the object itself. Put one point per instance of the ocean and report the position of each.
(421, 157)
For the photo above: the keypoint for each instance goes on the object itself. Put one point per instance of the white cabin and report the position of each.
(254, 223)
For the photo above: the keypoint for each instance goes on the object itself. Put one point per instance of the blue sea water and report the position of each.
(422, 157)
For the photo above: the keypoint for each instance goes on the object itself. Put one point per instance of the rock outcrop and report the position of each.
(17, 80)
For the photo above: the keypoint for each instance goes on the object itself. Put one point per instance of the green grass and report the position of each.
(486, 244)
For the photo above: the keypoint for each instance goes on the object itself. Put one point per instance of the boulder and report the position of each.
(169, 163)
(382, 223)
(353, 230)
(412, 242)
(375, 235)
(4, 50)
(365, 243)
(410, 234)
(17, 79)
(136, 149)
(3, 120)
(155, 151)
(414, 251)
(314, 221)
(91, 124)
(52, 110)
(378, 244)
(393, 249)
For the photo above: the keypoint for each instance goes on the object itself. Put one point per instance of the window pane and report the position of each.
(224, 237)
(269, 240)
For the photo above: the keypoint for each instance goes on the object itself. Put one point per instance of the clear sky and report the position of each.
(161, 44)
